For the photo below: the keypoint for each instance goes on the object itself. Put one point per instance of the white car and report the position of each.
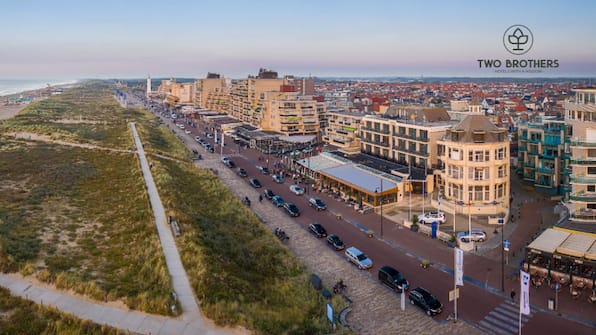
(430, 217)
(278, 179)
(357, 257)
(187, 131)
(475, 235)
(296, 190)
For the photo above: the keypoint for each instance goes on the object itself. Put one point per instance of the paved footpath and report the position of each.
(376, 310)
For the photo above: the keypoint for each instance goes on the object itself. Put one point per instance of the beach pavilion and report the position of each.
(350, 181)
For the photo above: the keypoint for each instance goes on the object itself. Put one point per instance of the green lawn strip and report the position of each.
(81, 219)
(19, 316)
(240, 272)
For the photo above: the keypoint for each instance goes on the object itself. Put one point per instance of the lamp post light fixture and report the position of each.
(381, 199)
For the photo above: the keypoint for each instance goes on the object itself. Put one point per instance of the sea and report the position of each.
(12, 86)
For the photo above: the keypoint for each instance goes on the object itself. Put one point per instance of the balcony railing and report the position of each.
(584, 214)
(544, 170)
(582, 144)
(583, 197)
(583, 180)
(375, 130)
(383, 144)
(583, 161)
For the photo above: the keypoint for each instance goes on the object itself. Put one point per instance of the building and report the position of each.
(289, 113)
(580, 116)
(343, 130)
(405, 134)
(475, 154)
(176, 93)
(212, 93)
(246, 95)
(541, 147)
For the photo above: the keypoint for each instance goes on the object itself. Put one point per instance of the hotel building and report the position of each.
(212, 93)
(476, 175)
(580, 116)
(342, 130)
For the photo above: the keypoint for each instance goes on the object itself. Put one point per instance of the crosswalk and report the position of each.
(504, 319)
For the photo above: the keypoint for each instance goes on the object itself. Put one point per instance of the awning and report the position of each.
(549, 240)
(576, 245)
(591, 253)
(360, 179)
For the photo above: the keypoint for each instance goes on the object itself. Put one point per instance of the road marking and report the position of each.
(503, 319)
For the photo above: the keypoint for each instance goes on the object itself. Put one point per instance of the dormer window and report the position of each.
(478, 136)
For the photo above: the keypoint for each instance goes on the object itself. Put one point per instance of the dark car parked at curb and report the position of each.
(317, 229)
(425, 300)
(254, 182)
(242, 172)
(277, 201)
(291, 209)
(335, 242)
(393, 279)
(268, 194)
(317, 203)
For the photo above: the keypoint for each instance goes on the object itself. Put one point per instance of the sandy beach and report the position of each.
(8, 111)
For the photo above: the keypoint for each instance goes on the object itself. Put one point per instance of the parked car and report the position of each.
(198, 138)
(317, 229)
(291, 209)
(357, 257)
(296, 190)
(264, 169)
(393, 279)
(187, 131)
(317, 203)
(254, 182)
(268, 194)
(431, 217)
(476, 235)
(335, 242)
(425, 300)
(210, 149)
(242, 172)
(225, 160)
(209, 135)
(230, 163)
(278, 179)
(277, 201)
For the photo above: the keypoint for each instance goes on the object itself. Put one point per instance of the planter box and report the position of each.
(414, 228)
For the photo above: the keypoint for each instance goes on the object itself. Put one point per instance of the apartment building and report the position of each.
(247, 95)
(212, 93)
(290, 113)
(580, 116)
(541, 147)
(342, 130)
(176, 93)
(476, 176)
(405, 134)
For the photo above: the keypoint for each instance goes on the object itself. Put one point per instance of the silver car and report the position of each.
(475, 235)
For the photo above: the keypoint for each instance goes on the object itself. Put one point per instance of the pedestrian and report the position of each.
(512, 295)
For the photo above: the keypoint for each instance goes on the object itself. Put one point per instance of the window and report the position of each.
(454, 154)
(424, 148)
(500, 154)
(591, 170)
(486, 156)
(478, 193)
(486, 193)
(501, 171)
(499, 191)
(591, 188)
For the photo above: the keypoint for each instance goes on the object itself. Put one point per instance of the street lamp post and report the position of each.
(381, 199)
(502, 255)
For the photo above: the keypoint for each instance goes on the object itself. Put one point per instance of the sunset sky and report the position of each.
(108, 38)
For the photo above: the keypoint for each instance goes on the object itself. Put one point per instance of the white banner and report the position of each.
(524, 299)
(459, 267)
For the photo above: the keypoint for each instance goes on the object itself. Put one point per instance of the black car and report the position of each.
(425, 300)
(242, 172)
(291, 209)
(254, 182)
(317, 203)
(268, 194)
(392, 278)
(264, 170)
(335, 242)
(317, 229)
(230, 164)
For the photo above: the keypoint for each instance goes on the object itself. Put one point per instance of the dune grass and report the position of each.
(19, 316)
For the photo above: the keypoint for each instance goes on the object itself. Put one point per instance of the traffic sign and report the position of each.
(506, 245)
(453, 293)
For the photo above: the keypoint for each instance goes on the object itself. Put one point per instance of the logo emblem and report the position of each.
(518, 39)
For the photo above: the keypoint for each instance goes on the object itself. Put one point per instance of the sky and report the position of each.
(68, 39)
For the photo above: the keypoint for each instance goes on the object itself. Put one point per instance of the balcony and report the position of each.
(375, 130)
(523, 137)
(583, 161)
(583, 179)
(529, 176)
(583, 197)
(547, 156)
(583, 144)
(383, 144)
(522, 149)
(544, 170)
(535, 140)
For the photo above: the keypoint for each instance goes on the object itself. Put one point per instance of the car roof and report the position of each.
(389, 270)
(354, 250)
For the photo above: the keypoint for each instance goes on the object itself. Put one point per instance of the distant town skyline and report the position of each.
(130, 39)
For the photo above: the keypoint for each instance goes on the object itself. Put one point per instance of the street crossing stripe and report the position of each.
(497, 322)
(490, 328)
(511, 314)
